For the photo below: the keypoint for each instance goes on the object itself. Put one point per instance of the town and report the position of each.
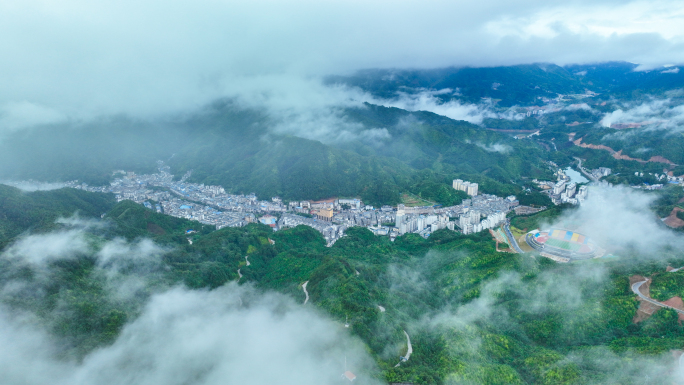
(213, 206)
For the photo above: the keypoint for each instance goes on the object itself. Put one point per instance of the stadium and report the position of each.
(562, 245)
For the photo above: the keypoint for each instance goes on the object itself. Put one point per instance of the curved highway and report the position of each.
(635, 288)
(514, 243)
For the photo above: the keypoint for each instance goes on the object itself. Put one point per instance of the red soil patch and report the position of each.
(637, 278)
(672, 219)
(646, 309)
(660, 159)
(618, 154)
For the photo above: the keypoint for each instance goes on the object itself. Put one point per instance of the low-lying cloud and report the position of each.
(84, 60)
(427, 100)
(495, 147)
(31, 185)
(234, 334)
(230, 335)
(42, 248)
(620, 219)
(661, 114)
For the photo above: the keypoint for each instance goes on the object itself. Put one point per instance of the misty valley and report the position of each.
(381, 194)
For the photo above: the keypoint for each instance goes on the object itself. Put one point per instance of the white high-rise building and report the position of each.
(470, 188)
(570, 189)
(463, 221)
(559, 188)
(401, 216)
(474, 216)
(421, 223)
(582, 194)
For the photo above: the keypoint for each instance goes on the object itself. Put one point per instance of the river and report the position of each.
(575, 176)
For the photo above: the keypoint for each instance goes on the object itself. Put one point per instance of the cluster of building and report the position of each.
(331, 231)
(564, 190)
(421, 224)
(664, 177)
(567, 192)
(206, 204)
(600, 172)
(468, 187)
(213, 206)
(484, 212)
(472, 222)
(366, 218)
(645, 186)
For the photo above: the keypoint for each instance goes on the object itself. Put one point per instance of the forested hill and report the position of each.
(474, 315)
(516, 85)
(521, 84)
(626, 80)
(37, 211)
(236, 148)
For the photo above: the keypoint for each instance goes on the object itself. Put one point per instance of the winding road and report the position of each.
(635, 288)
(408, 351)
(306, 293)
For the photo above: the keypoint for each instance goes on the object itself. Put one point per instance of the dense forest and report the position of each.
(474, 315)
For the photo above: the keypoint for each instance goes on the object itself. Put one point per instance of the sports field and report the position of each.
(563, 244)
(565, 240)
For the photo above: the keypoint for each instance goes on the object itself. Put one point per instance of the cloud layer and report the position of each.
(653, 114)
(230, 335)
(234, 334)
(620, 219)
(79, 59)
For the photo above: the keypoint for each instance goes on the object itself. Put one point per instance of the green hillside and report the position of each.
(474, 315)
(235, 148)
(37, 211)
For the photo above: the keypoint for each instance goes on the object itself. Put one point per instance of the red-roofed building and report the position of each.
(349, 376)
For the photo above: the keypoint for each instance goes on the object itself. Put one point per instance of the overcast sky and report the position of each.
(78, 58)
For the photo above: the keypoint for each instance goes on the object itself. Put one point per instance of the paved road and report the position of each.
(514, 243)
(408, 351)
(593, 178)
(305, 292)
(636, 289)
